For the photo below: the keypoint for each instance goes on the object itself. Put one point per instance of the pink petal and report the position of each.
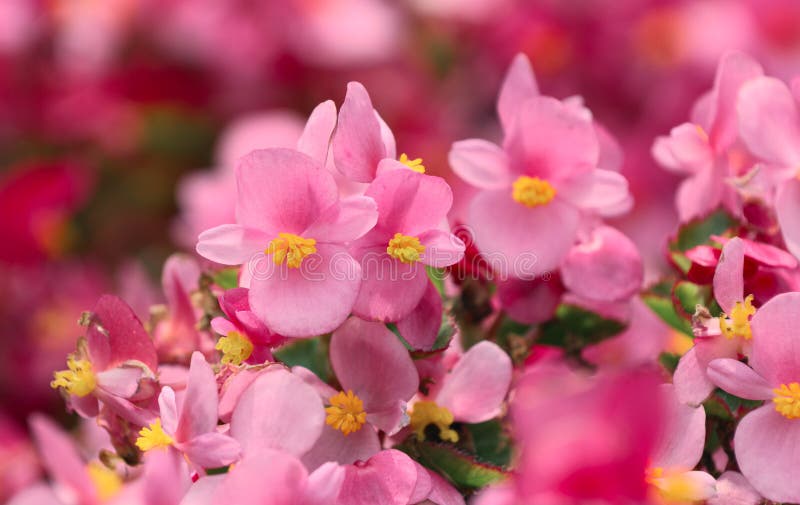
(476, 387)
(769, 122)
(61, 459)
(165, 480)
(179, 279)
(442, 248)
(739, 379)
(764, 254)
(37, 494)
(442, 492)
(529, 301)
(116, 335)
(480, 163)
(316, 137)
(269, 476)
(387, 137)
(199, 412)
(361, 352)
(686, 150)
(692, 385)
(357, 142)
(776, 348)
(344, 221)
(302, 417)
(421, 327)
(733, 489)
(735, 69)
(604, 193)
(423, 486)
(767, 450)
(607, 266)
(211, 450)
(202, 492)
(121, 381)
(233, 388)
(324, 484)
(684, 434)
(388, 478)
(333, 445)
(526, 242)
(611, 154)
(728, 277)
(282, 191)
(409, 202)
(565, 146)
(231, 244)
(787, 207)
(519, 85)
(311, 300)
(168, 410)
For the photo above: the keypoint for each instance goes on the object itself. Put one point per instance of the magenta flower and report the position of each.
(115, 364)
(407, 237)
(192, 428)
(535, 190)
(765, 440)
(290, 236)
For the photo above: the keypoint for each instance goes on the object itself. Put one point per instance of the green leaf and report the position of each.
(437, 276)
(698, 231)
(669, 361)
(665, 309)
(310, 353)
(490, 442)
(687, 295)
(227, 278)
(573, 328)
(463, 469)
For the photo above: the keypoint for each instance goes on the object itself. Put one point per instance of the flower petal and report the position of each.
(519, 85)
(357, 142)
(345, 220)
(739, 379)
(231, 244)
(733, 489)
(480, 163)
(212, 450)
(410, 202)
(776, 348)
(684, 435)
(442, 248)
(692, 385)
(316, 138)
(769, 121)
(787, 207)
(421, 327)
(199, 412)
(729, 275)
(735, 69)
(333, 445)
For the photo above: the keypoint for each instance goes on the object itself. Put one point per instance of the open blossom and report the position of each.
(764, 438)
(536, 189)
(290, 236)
(115, 364)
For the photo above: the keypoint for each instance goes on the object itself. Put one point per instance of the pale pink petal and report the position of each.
(344, 221)
(519, 85)
(323, 389)
(692, 385)
(311, 300)
(121, 381)
(442, 492)
(168, 410)
(266, 477)
(729, 275)
(442, 248)
(259, 130)
(700, 194)
(423, 486)
(480, 163)
(410, 202)
(222, 326)
(282, 191)
(165, 480)
(389, 419)
(764, 254)
(388, 478)
(333, 445)
(202, 492)
(361, 352)
(684, 434)
(733, 489)
(60, 457)
(316, 137)
(125, 409)
(662, 153)
(686, 150)
(769, 122)
(211, 450)
(421, 327)
(476, 387)
(767, 450)
(739, 379)
(611, 154)
(179, 278)
(604, 193)
(776, 348)
(734, 70)
(324, 484)
(525, 242)
(357, 142)
(198, 413)
(233, 388)
(302, 416)
(607, 266)
(787, 207)
(37, 494)
(116, 335)
(231, 244)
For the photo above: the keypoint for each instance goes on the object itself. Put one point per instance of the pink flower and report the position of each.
(537, 188)
(115, 364)
(290, 234)
(407, 237)
(765, 440)
(708, 149)
(361, 352)
(192, 428)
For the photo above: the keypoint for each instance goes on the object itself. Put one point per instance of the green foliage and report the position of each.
(687, 295)
(310, 353)
(227, 278)
(573, 328)
(462, 469)
(660, 300)
(490, 442)
(698, 231)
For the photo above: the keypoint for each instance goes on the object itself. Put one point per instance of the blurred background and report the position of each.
(120, 122)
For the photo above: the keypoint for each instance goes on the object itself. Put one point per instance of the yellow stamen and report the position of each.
(291, 248)
(153, 437)
(415, 164)
(106, 481)
(532, 191)
(79, 380)
(673, 487)
(738, 325)
(701, 132)
(405, 248)
(346, 412)
(787, 400)
(426, 413)
(235, 348)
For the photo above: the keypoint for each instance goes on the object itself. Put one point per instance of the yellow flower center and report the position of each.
(787, 400)
(415, 164)
(153, 437)
(738, 324)
(673, 487)
(532, 191)
(291, 248)
(78, 380)
(405, 248)
(426, 413)
(346, 412)
(106, 481)
(235, 348)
